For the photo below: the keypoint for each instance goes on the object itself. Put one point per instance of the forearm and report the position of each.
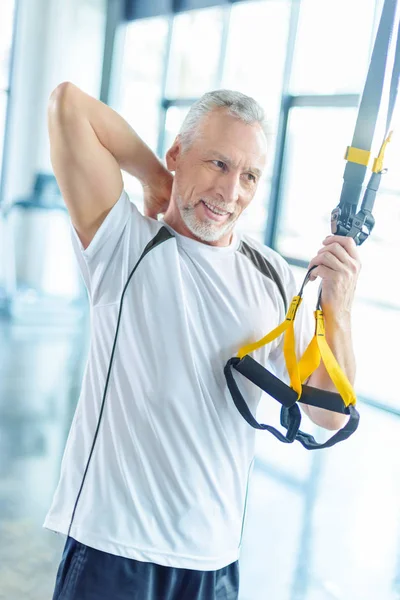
(338, 336)
(112, 131)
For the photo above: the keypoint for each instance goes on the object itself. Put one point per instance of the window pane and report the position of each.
(3, 109)
(333, 46)
(174, 119)
(254, 65)
(377, 282)
(312, 176)
(375, 349)
(141, 76)
(89, 36)
(6, 32)
(140, 84)
(256, 51)
(195, 53)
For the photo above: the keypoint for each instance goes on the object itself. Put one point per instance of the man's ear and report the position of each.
(173, 155)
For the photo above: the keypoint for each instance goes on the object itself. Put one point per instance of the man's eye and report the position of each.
(219, 163)
(251, 177)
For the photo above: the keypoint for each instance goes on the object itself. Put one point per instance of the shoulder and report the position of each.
(259, 253)
(271, 264)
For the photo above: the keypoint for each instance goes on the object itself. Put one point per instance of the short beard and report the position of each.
(205, 231)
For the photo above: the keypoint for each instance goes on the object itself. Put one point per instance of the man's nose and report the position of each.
(230, 187)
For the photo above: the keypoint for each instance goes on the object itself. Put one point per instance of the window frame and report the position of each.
(8, 91)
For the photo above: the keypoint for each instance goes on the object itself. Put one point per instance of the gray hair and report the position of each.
(237, 104)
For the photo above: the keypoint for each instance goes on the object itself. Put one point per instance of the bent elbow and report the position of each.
(327, 419)
(333, 421)
(61, 99)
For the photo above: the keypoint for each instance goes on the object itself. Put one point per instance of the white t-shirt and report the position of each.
(168, 478)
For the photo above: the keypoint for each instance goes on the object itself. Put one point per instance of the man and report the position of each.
(154, 477)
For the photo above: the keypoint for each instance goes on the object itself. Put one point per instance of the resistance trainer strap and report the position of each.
(345, 219)
(299, 372)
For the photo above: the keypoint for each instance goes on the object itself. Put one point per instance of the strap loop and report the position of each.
(358, 156)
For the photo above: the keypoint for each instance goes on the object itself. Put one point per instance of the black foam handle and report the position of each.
(290, 413)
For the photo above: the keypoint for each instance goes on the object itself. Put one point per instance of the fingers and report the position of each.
(347, 243)
(321, 271)
(328, 259)
(338, 254)
(325, 264)
(336, 250)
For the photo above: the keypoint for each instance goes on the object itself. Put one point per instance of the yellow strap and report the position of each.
(289, 352)
(265, 340)
(357, 155)
(310, 360)
(289, 349)
(378, 162)
(318, 348)
(272, 335)
(339, 379)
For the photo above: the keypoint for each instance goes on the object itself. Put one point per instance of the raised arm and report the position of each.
(90, 144)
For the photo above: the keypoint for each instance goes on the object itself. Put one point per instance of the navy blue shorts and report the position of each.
(88, 574)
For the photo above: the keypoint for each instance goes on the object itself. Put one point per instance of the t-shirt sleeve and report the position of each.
(304, 327)
(105, 262)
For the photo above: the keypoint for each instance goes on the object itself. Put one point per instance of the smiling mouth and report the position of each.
(215, 210)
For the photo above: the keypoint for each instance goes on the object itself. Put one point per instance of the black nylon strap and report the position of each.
(290, 412)
(241, 405)
(309, 442)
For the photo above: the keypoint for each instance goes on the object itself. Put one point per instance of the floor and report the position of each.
(320, 525)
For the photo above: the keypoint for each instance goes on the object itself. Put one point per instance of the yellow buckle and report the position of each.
(378, 162)
(356, 155)
(294, 305)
